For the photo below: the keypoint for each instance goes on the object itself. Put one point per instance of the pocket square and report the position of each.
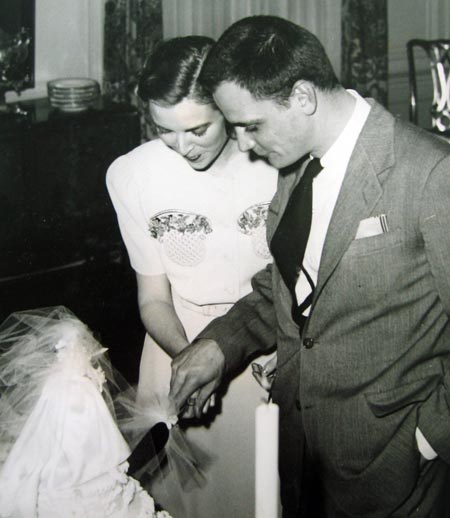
(372, 227)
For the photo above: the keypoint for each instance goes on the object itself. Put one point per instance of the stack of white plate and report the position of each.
(73, 94)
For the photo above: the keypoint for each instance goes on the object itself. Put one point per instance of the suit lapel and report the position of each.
(360, 190)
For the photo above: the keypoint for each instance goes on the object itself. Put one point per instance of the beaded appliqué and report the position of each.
(252, 222)
(182, 235)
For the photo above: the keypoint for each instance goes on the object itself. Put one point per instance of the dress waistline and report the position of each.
(209, 310)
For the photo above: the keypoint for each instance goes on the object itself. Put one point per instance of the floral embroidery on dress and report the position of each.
(252, 222)
(183, 222)
(253, 217)
(182, 235)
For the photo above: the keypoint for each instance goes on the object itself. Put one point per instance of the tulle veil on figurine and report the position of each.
(62, 452)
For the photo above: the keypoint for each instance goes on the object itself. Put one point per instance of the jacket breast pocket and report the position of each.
(373, 244)
(373, 267)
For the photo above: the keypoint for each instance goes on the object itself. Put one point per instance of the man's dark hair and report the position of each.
(171, 71)
(266, 55)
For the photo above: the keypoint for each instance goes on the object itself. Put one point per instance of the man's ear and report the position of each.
(304, 93)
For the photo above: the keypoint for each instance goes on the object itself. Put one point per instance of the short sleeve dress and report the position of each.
(206, 231)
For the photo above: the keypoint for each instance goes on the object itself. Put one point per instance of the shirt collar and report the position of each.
(342, 148)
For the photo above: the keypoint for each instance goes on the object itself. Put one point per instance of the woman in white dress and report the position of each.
(191, 209)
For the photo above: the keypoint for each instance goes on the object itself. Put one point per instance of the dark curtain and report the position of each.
(364, 48)
(132, 28)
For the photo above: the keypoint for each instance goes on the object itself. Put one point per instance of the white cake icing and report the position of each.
(63, 454)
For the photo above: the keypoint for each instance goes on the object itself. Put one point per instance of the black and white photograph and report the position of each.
(224, 258)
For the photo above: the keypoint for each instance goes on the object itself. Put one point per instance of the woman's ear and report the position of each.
(304, 93)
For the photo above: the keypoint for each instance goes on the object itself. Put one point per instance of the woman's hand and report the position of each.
(265, 375)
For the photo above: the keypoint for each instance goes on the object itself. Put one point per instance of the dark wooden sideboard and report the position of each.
(59, 239)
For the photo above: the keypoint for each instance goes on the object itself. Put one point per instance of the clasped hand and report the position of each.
(196, 373)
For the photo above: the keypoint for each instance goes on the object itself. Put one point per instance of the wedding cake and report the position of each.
(61, 451)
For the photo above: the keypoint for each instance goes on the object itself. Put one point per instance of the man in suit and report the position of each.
(363, 374)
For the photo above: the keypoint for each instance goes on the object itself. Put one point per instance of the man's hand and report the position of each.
(196, 373)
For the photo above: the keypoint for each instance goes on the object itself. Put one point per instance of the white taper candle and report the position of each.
(266, 461)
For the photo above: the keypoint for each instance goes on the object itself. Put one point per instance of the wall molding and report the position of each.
(96, 17)
(437, 19)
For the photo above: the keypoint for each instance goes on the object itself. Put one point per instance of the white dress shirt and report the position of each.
(326, 187)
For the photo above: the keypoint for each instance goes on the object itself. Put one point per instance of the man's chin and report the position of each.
(279, 162)
(275, 161)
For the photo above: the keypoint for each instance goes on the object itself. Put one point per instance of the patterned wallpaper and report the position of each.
(364, 48)
(132, 28)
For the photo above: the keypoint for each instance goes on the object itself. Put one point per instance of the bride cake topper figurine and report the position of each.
(61, 450)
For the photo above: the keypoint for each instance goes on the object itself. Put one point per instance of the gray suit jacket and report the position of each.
(377, 363)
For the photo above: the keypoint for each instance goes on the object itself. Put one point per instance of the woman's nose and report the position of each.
(245, 142)
(183, 144)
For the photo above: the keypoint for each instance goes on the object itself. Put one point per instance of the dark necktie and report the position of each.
(289, 241)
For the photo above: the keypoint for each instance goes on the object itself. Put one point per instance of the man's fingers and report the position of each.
(198, 366)
(182, 395)
(188, 409)
(182, 385)
(210, 402)
(203, 396)
(187, 412)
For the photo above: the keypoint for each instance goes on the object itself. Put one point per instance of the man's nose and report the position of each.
(245, 142)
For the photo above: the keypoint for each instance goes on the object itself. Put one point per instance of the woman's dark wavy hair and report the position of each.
(172, 70)
(266, 55)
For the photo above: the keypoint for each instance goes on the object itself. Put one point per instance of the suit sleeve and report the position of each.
(250, 325)
(434, 221)
(434, 418)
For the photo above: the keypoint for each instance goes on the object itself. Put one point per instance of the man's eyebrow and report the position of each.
(246, 123)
